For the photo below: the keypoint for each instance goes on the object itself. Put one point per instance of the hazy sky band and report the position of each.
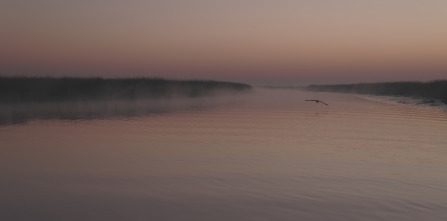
(290, 40)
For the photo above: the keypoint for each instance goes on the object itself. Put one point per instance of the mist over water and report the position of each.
(19, 113)
(267, 155)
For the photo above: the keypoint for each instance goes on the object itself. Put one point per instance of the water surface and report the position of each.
(266, 156)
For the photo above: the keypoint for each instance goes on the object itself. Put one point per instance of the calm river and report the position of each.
(268, 155)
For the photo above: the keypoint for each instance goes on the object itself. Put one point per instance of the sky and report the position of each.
(261, 42)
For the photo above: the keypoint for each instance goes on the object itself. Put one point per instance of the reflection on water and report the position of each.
(104, 109)
(270, 156)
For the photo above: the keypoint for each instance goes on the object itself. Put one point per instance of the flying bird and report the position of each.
(318, 101)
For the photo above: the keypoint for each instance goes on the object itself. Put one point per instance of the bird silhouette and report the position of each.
(318, 101)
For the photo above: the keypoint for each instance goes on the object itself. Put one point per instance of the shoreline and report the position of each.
(403, 100)
(427, 94)
(49, 89)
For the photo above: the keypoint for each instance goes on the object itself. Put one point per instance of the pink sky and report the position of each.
(283, 42)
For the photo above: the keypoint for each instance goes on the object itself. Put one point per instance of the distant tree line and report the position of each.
(425, 90)
(48, 89)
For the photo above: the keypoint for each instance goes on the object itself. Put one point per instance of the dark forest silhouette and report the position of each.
(429, 91)
(26, 98)
(47, 89)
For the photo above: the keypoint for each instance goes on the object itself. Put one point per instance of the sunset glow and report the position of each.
(259, 42)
